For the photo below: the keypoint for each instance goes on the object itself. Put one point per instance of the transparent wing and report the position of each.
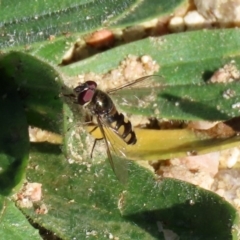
(115, 151)
(150, 81)
(135, 96)
(114, 143)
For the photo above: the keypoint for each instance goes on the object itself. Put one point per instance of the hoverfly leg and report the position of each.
(93, 129)
(96, 139)
(94, 144)
(106, 143)
(89, 121)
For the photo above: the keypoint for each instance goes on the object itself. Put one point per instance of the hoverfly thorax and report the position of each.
(101, 104)
(95, 100)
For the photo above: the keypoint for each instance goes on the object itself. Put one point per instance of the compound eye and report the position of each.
(85, 92)
(85, 96)
(91, 84)
(85, 86)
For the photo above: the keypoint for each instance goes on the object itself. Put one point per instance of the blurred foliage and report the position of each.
(83, 197)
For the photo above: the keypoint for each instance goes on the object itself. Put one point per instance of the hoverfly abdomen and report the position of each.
(123, 127)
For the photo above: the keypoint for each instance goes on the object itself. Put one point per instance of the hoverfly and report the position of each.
(100, 106)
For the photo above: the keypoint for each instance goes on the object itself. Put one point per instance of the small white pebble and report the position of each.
(237, 202)
(70, 161)
(146, 59)
(176, 24)
(193, 21)
(220, 192)
(236, 105)
(232, 160)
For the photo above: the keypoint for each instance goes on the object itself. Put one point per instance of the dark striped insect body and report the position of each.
(100, 105)
(109, 120)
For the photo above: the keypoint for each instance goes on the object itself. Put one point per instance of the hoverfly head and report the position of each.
(85, 92)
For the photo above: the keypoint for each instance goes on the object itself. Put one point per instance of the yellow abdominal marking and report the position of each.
(128, 137)
(114, 124)
(121, 130)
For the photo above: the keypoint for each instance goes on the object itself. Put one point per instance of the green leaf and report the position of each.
(82, 197)
(184, 101)
(200, 214)
(14, 224)
(85, 200)
(14, 141)
(182, 91)
(186, 62)
(38, 86)
(27, 22)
